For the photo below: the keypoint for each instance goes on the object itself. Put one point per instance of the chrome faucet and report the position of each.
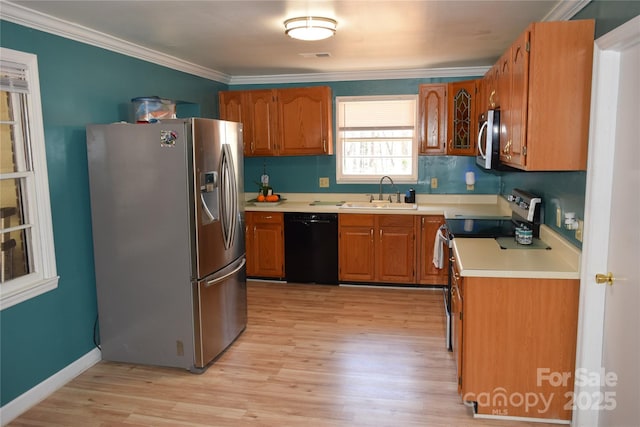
(394, 186)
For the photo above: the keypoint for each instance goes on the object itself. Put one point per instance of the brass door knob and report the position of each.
(605, 278)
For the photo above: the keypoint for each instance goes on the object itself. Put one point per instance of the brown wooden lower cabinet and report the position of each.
(429, 274)
(265, 244)
(519, 345)
(456, 322)
(377, 248)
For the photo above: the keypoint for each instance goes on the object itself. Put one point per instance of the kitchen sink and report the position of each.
(379, 204)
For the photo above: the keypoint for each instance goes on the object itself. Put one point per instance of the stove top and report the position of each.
(460, 227)
(525, 211)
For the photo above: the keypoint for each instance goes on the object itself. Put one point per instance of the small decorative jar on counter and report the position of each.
(524, 235)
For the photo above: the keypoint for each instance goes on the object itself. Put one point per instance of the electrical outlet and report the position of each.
(434, 182)
(579, 230)
(324, 182)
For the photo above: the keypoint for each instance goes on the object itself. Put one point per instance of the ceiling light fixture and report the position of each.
(310, 28)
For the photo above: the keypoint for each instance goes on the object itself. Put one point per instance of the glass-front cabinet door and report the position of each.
(462, 118)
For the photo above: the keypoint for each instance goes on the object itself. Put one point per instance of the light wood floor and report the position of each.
(311, 356)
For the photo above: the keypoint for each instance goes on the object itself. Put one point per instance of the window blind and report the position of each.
(13, 77)
(377, 114)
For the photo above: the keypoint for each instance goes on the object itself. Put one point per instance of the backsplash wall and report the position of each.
(300, 174)
(564, 190)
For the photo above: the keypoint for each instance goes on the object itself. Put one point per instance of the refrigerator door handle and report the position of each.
(224, 277)
(228, 195)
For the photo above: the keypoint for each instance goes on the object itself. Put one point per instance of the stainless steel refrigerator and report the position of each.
(168, 237)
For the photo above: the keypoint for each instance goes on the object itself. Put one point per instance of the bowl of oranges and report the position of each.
(268, 200)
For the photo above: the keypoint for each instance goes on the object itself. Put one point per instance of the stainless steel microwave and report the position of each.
(488, 153)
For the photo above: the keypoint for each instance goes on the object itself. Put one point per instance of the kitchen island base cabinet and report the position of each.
(519, 346)
(265, 244)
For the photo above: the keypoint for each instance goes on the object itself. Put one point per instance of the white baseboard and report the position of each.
(35, 395)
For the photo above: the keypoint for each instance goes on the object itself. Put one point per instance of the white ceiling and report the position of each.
(245, 39)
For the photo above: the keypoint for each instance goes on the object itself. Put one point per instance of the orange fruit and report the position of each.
(260, 198)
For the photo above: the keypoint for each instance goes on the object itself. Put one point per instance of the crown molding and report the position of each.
(565, 10)
(29, 18)
(361, 75)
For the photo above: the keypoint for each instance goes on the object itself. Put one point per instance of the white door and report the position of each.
(607, 370)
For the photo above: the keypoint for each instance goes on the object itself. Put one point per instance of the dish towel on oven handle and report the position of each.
(438, 251)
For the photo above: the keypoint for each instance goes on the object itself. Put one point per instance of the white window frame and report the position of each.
(341, 178)
(43, 276)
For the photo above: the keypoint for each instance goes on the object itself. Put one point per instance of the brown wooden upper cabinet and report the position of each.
(489, 99)
(282, 122)
(447, 117)
(542, 85)
(462, 117)
(432, 118)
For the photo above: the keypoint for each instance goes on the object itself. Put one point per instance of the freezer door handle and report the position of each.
(224, 277)
(228, 196)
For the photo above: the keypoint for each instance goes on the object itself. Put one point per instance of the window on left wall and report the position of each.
(27, 262)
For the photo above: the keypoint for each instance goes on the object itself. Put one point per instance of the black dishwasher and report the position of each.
(311, 247)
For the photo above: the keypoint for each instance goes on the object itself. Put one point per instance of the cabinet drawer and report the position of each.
(356, 220)
(395, 220)
(265, 217)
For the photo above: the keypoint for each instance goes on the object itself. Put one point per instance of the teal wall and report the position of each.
(80, 84)
(609, 14)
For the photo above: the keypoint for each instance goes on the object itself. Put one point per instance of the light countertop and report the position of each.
(475, 257)
(485, 258)
(451, 206)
